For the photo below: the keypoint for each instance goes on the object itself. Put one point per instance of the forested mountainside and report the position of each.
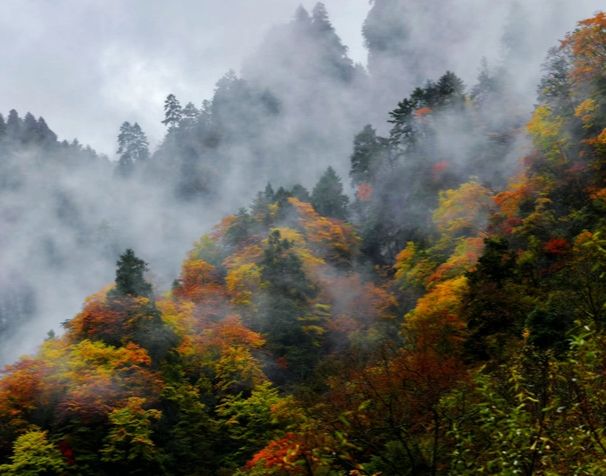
(288, 114)
(447, 321)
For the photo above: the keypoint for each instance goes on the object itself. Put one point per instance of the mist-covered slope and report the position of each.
(292, 110)
(464, 336)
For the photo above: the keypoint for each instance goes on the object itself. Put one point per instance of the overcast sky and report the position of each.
(88, 65)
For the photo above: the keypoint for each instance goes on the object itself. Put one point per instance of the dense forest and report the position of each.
(446, 317)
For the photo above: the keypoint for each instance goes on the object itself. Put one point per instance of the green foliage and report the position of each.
(34, 455)
(327, 196)
(249, 422)
(130, 279)
(129, 445)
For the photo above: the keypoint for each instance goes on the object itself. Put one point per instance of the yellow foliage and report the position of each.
(242, 283)
(586, 112)
(465, 256)
(547, 132)
(463, 211)
(436, 318)
(334, 239)
(248, 254)
(412, 268)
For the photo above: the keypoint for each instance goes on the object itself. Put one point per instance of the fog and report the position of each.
(87, 66)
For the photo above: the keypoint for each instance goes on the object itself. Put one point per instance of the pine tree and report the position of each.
(2, 126)
(172, 112)
(130, 280)
(451, 90)
(319, 18)
(189, 115)
(285, 304)
(132, 147)
(368, 148)
(14, 125)
(327, 196)
(302, 16)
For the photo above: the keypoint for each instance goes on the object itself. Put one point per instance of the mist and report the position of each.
(64, 222)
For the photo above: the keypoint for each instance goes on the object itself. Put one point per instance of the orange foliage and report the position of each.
(200, 282)
(248, 254)
(334, 239)
(423, 112)
(96, 378)
(588, 45)
(221, 229)
(22, 390)
(281, 455)
(464, 258)
(230, 333)
(436, 321)
(96, 320)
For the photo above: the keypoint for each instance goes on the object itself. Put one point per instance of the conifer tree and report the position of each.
(132, 147)
(189, 115)
(327, 196)
(14, 124)
(368, 148)
(172, 112)
(130, 280)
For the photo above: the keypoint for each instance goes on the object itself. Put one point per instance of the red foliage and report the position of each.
(423, 112)
(439, 167)
(280, 454)
(556, 246)
(67, 452)
(364, 192)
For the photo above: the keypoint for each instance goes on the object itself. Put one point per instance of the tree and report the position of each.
(2, 126)
(451, 90)
(14, 124)
(129, 446)
(327, 196)
(172, 112)
(302, 16)
(189, 115)
(130, 280)
(284, 305)
(132, 147)
(34, 455)
(368, 148)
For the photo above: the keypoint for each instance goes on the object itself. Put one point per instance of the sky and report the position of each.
(88, 65)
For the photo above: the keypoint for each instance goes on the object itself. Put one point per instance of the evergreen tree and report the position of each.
(319, 18)
(172, 112)
(45, 133)
(368, 148)
(132, 147)
(2, 126)
(327, 196)
(30, 126)
(130, 280)
(302, 16)
(14, 125)
(300, 192)
(451, 90)
(285, 304)
(487, 85)
(189, 115)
